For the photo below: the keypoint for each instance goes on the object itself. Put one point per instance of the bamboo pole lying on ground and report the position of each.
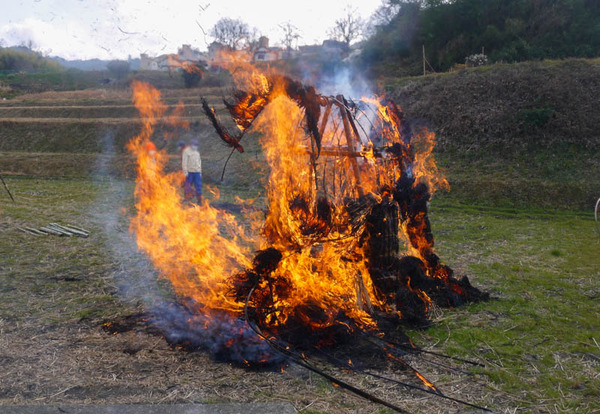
(36, 231)
(71, 230)
(75, 230)
(56, 230)
(52, 231)
(79, 229)
(27, 231)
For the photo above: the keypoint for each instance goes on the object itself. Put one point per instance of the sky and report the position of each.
(116, 29)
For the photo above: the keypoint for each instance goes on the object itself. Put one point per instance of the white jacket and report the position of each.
(190, 161)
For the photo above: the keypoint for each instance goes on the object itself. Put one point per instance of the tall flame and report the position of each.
(330, 162)
(195, 247)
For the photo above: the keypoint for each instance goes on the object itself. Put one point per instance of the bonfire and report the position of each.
(344, 250)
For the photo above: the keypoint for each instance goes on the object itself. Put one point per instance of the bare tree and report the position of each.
(251, 41)
(231, 32)
(388, 11)
(347, 28)
(385, 12)
(290, 35)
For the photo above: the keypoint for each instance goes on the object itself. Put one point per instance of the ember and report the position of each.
(349, 186)
(348, 180)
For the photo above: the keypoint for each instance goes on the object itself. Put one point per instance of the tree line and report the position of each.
(503, 30)
(237, 34)
(14, 60)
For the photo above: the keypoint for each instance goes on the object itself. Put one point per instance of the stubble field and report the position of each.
(538, 336)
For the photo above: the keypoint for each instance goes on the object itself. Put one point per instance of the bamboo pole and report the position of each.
(58, 229)
(52, 231)
(70, 230)
(7, 190)
(41, 233)
(26, 231)
(79, 228)
(350, 144)
(424, 60)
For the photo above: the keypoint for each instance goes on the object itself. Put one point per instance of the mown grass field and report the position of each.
(515, 136)
(519, 225)
(538, 336)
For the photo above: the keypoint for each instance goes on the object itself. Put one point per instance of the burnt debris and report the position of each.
(409, 283)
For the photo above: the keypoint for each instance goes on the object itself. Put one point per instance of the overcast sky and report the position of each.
(108, 29)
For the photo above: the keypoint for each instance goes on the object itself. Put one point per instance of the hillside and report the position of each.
(91, 64)
(509, 107)
(504, 30)
(521, 134)
(517, 135)
(20, 84)
(83, 133)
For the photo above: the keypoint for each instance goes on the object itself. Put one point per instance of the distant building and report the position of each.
(216, 51)
(308, 51)
(264, 53)
(334, 49)
(187, 53)
(171, 62)
(219, 53)
(149, 63)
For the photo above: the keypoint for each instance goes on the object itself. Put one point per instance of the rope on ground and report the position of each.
(301, 360)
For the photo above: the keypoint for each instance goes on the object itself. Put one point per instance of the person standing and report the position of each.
(187, 191)
(192, 168)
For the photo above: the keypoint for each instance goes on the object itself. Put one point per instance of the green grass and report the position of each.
(48, 279)
(538, 337)
(565, 179)
(13, 85)
(21, 83)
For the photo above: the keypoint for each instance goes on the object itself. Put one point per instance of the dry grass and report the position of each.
(84, 366)
(107, 121)
(57, 292)
(96, 96)
(508, 108)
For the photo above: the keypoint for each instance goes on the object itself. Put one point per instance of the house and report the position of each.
(328, 50)
(334, 49)
(157, 63)
(219, 53)
(264, 53)
(170, 62)
(185, 52)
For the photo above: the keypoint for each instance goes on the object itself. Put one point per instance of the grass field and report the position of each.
(518, 223)
(516, 136)
(15, 85)
(538, 337)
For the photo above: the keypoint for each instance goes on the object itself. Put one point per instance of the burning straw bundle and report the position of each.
(367, 183)
(349, 184)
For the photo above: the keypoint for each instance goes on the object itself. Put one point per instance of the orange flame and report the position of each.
(324, 261)
(425, 167)
(196, 247)
(191, 68)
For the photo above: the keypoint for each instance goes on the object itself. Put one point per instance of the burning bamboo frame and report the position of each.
(362, 162)
(349, 181)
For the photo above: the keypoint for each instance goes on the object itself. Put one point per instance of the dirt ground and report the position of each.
(56, 294)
